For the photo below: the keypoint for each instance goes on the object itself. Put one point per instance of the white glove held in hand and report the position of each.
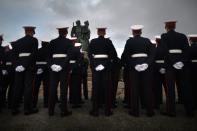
(20, 68)
(141, 67)
(138, 68)
(144, 66)
(39, 71)
(100, 68)
(178, 65)
(4, 72)
(56, 68)
(162, 70)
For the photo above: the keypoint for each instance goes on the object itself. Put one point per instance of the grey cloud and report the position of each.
(117, 15)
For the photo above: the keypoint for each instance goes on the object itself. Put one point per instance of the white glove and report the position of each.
(39, 71)
(4, 72)
(59, 68)
(144, 66)
(20, 68)
(141, 67)
(138, 68)
(178, 65)
(56, 68)
(162, 70)
(99, 67)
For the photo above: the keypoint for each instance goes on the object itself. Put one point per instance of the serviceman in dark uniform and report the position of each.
(139, 54)
(159, 74)
(1, 74)
(42, 74)
(193, 66)
(85, 64)
(59, 72)
(74, 40)
(24, 63)
(115, 74)
(75, 74)
(176, 59)
(8, 76)
(126, 100)
(101, 52)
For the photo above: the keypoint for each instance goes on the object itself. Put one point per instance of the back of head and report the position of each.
(137, 30)
(63, 31)
(101, 31)
(170, 25)
(29, 30)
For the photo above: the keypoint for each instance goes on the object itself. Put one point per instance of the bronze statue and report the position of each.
(82, 33)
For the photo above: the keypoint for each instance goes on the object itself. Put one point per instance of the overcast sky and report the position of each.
(117, 15)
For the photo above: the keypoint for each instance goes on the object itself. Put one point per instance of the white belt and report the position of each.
(41, 63)
(193, 61)
(59, 55)
(24, 54)
(175, 51)
(8, 63)
(100, 56)
(139, 55)
(159, 61)
(72, 61)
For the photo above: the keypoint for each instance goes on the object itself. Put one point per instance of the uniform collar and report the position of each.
(61, 36)
(101, 37)
(171, 31)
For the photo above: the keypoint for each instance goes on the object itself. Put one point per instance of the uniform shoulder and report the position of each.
(68, 40)
(20, 39)
(108, 40)
(181, 35)
(93, 40)
(145, 38)
(53, 40)
(130, 39)
(163, 35)
(35, 39)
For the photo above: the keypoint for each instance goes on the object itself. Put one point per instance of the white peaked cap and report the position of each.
(153, 41)
(77, 44)
(137, 27)
(192, 35)
(158, 37)
(73, 38)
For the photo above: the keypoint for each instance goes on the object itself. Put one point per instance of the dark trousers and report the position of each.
(126, 86)
(44, 79)
(75, 86)
(56, 78)
(7, 87)
(23, 79)
(102, 89)
(1, 95)
(115, 79)
(85, 86)
(194, 83)
(180, 97)
(173, 75)
(159, 82)
(141, 84)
